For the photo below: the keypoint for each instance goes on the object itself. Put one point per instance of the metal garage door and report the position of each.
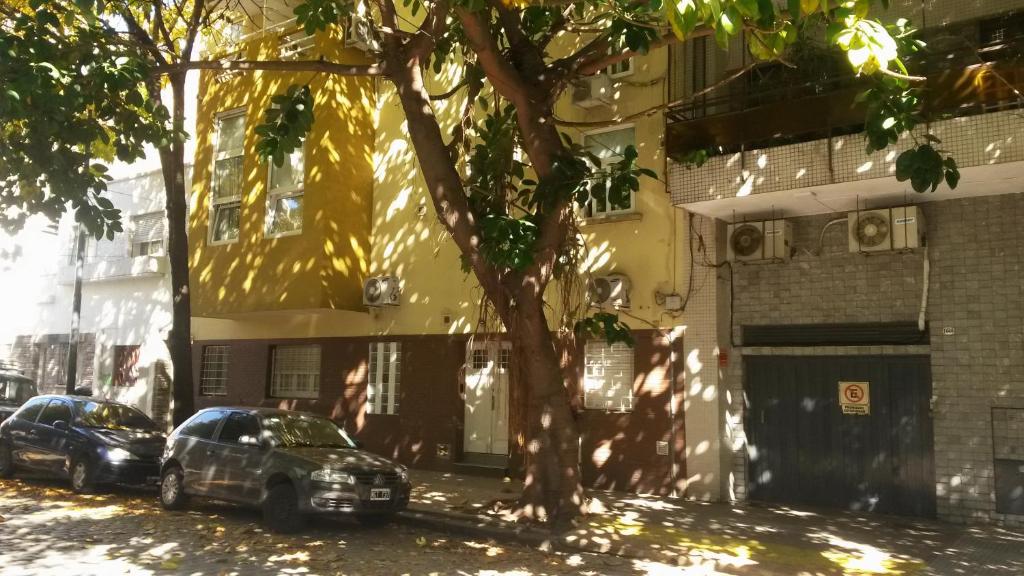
(805, 450)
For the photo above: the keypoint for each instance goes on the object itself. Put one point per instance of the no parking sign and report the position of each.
(855, 398)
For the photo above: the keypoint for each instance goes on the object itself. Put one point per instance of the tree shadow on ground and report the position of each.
(47, 529)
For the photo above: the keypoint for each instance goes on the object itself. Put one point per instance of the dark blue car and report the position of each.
(85, 440)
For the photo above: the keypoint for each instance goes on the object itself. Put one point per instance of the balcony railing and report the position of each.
(753, 113)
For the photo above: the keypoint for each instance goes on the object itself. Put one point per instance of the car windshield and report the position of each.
(296, 430)
(15, 391)
(112, 416)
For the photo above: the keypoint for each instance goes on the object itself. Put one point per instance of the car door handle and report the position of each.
(211, 452)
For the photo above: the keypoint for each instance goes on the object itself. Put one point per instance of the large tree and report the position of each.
(514, 218)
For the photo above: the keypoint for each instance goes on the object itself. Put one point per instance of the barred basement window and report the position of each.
(295, 372)
(608, 376)
(148, 234)
(213, 376)
(126, 361)
(384, 378)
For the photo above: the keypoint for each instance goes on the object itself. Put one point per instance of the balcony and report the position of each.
(113, 269)
(756, 113)
(771, 132)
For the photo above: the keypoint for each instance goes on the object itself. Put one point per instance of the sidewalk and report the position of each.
(722, 539)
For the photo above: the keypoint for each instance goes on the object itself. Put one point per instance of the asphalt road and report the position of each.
(48, 530)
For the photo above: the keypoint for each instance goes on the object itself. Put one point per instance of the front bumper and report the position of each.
(355, 499)
(135, 472)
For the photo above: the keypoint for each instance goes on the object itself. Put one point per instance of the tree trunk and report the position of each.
(552, 490)
(179, 340)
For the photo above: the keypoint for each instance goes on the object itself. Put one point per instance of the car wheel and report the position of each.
(172, 489)
(281, 510)
(82, 476)
(375, 520)
(6, 462)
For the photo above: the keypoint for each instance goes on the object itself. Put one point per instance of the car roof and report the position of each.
(6, 374)
(84, 399)
(261, 411)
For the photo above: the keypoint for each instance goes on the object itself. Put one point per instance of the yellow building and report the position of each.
(280, 258)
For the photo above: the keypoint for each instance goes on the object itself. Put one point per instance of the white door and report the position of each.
(487, 374)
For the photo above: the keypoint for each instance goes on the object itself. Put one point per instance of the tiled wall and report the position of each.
(993, 138)
(976, 252)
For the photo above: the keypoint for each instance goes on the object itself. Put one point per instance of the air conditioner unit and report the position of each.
(592, 91)
(360, 33)
(612, 289)
(753, 241)
(907, 227)
(382, 291)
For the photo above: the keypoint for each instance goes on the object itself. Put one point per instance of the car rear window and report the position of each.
(203, 425)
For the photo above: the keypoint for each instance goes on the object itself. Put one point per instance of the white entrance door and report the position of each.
(487, 374)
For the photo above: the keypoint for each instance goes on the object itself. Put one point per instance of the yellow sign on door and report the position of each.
(855, 398)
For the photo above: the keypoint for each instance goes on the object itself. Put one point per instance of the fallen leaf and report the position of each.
(170, 564)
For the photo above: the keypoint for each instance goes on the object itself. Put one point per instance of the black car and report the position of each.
(15, 390)
(290, 464)
(86, 440)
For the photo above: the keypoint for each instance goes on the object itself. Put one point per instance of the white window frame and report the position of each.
(385, 361)
(134, 251)
(291, 378)
(619, 69)
(590, 212)
(218, 155)
(275, 194)
(210, 385)
(599, 388)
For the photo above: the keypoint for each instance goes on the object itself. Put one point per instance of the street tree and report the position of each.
(514, 217)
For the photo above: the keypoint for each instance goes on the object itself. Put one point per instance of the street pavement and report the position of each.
(46, 529)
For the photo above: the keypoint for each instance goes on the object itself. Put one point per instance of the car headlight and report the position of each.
(119, 454)
(332, 476)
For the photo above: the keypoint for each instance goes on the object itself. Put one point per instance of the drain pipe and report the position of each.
(673, 430)
(924, 291)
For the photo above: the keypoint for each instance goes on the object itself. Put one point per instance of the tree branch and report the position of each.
(276, 66)
(653, 109)
(500, 72)
(434, 25)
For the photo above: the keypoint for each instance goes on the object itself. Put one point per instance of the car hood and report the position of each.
(342, 459)
(149, 444)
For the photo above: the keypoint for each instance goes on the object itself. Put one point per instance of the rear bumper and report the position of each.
(136, 472)
(355, 499)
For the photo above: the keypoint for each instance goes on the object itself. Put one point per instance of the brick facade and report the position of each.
(976, 253)
(44, 359)
(619, 449)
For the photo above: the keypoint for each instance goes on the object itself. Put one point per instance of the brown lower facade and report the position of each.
(441, 402)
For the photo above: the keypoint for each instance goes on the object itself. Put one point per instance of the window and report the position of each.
(31, 409)
(226, 199)
(284, 195)
(213, 373)
(384, 378)
(55, 410)
(126, 360)
(148, 234)
(608, 376)
(609, 146)
(295, 372)
(238, 425)
(619, 69)
(203, 425)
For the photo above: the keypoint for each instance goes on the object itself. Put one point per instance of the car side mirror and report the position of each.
(60, 425)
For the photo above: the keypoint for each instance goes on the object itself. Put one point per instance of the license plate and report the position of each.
(380, 493)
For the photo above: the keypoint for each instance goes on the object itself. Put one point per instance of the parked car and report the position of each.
(290, 464)
(15, 390)
(85, 440)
